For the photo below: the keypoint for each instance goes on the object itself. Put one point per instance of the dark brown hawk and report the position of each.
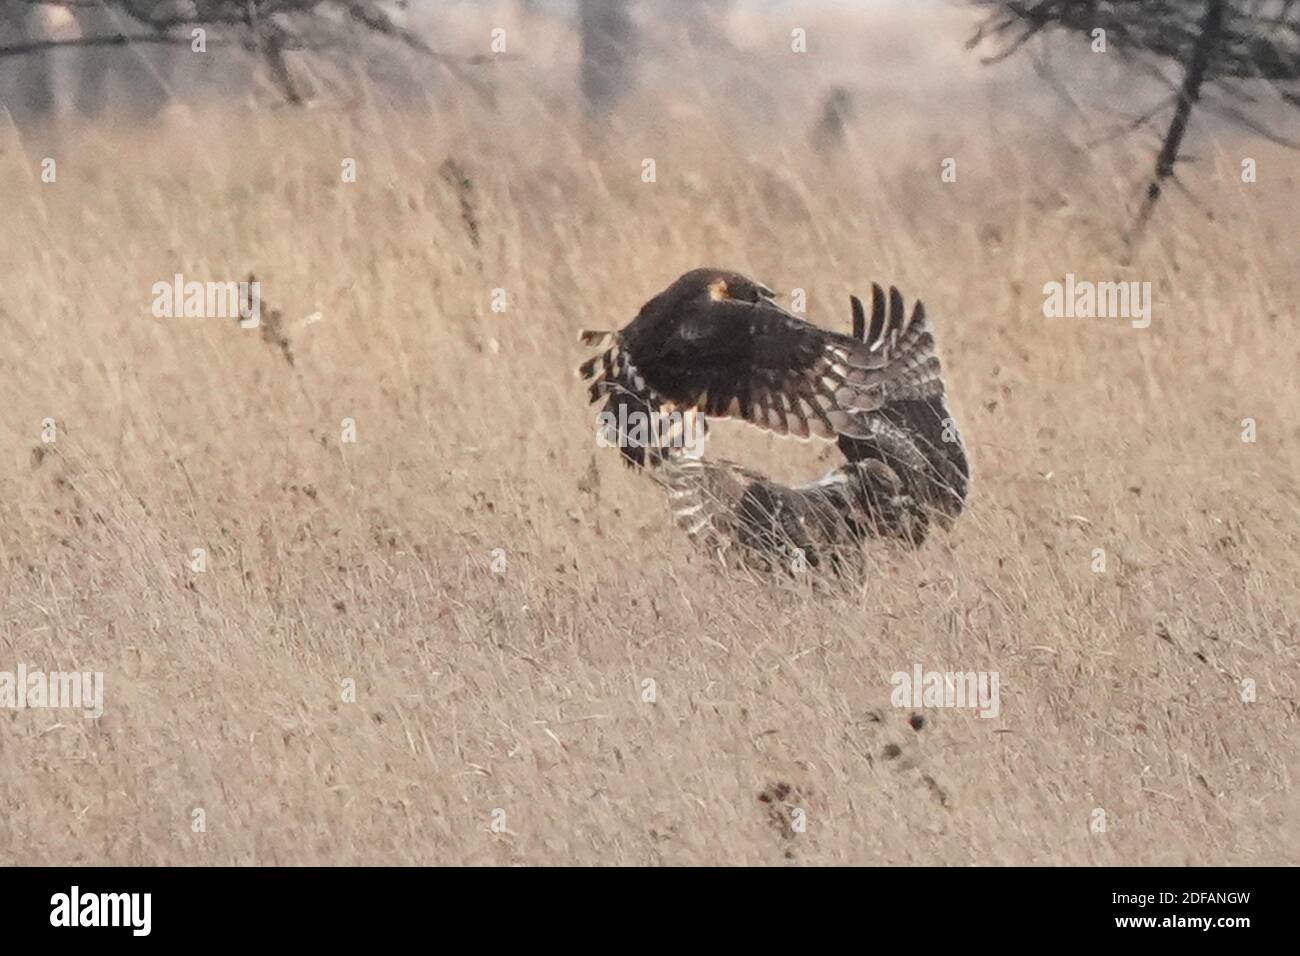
(716, 344)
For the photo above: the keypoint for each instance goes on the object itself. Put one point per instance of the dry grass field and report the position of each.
(519, 698)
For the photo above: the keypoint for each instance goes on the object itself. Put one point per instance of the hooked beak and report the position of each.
(769, 299)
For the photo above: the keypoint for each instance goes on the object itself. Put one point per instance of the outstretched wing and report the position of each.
(911, 429)
(757, 362)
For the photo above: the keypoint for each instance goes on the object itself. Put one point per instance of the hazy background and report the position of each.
(524, 692)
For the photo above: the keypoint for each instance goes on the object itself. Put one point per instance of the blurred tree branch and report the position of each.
(1219, 46)
(268, 28)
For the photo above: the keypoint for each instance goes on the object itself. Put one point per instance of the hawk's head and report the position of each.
(716, 285)
(687, 308)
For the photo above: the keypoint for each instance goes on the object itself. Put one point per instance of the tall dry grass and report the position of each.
(524, 691)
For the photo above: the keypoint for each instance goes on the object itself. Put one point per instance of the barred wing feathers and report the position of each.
(759, 363)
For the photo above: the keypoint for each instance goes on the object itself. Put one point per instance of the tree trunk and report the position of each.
(606, 52)
(1188, 94)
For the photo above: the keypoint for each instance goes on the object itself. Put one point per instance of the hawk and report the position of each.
(716, 344)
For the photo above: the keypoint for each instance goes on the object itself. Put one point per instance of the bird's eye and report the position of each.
(723, 290)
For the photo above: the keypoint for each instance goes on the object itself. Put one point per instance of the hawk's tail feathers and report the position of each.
(705, 498)
(743, 516)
